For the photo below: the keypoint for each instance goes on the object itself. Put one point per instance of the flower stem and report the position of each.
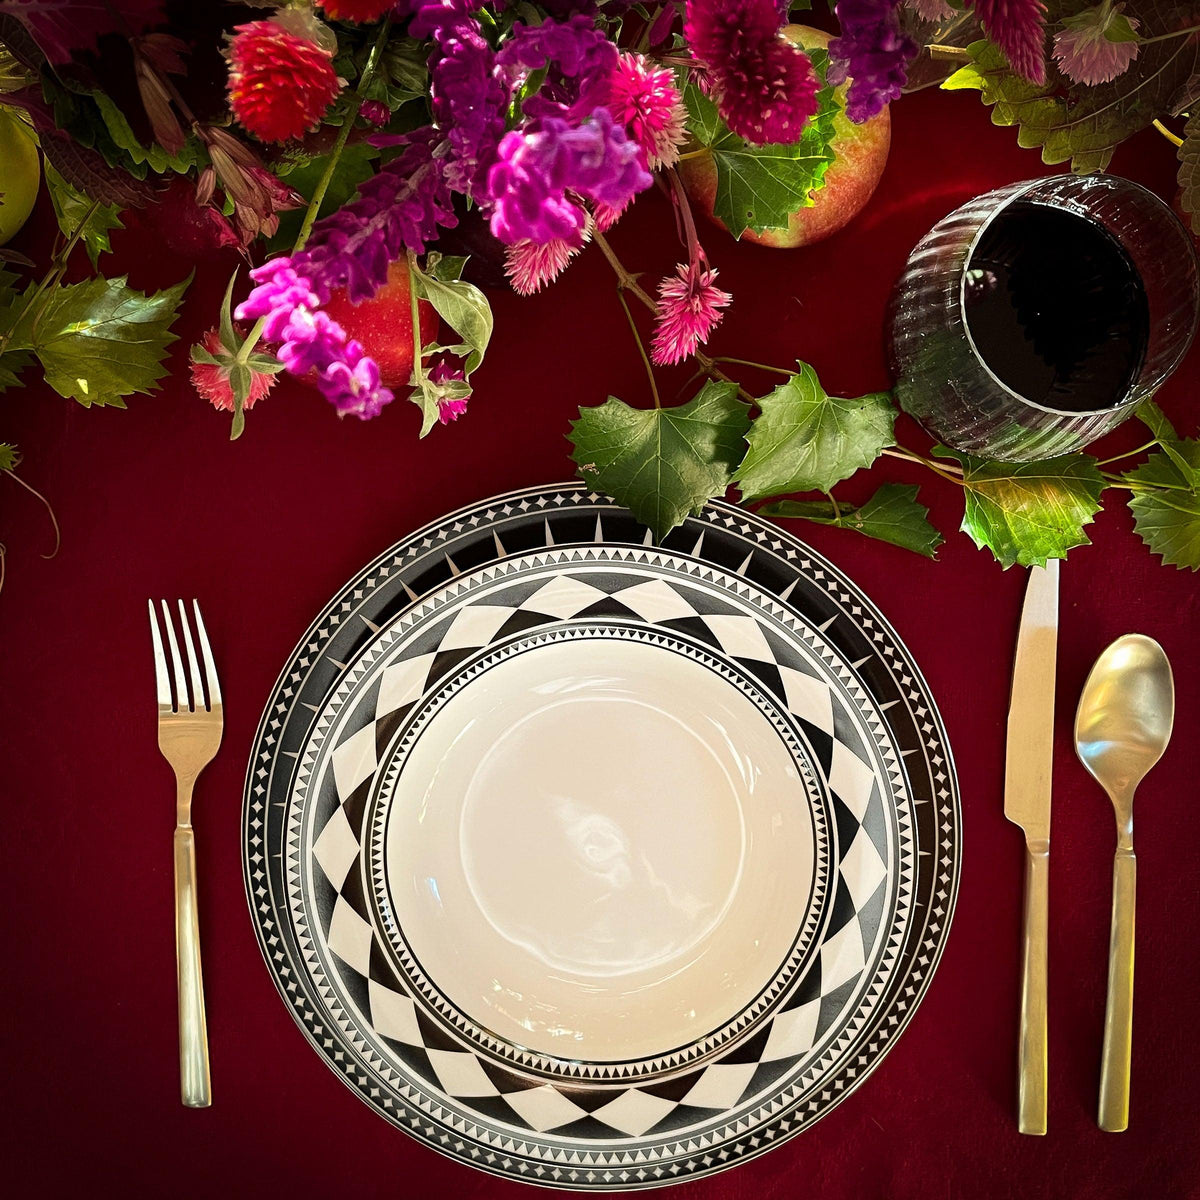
(339, 145)
(53, 519)
(414, 303)
(1174, 139)
(1128, 453)
(637, 337)
(948, 53)
(625, 281)
(745, 362)
(1166, 37)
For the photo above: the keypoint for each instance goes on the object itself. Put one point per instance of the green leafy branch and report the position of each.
(665, 463)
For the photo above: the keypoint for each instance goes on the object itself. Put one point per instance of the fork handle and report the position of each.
(1031, 1099)
(1118, 1016)
(195, 1085)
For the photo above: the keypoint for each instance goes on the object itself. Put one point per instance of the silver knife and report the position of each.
(1027, 776)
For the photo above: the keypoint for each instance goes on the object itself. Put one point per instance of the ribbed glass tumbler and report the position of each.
(943, 378)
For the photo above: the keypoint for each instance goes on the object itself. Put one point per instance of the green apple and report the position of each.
(20, 173)
(851, 179)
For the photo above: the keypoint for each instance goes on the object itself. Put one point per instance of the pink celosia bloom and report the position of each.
(530, 266)
(644, 99)
(688, 310)
(1018, 27)
(1084, 51)
(931, 10)
(212, 382)
(606, 216)
(450, 410)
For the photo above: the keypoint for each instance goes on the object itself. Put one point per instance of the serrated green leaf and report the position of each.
(891, 515)
(805, 440)
(100, 340)
(1085, 124)
(72, 208)
(1189, 172)
(9, 456)
(759, 187)
(1168, 519)
(153, 156)
(464, 308)
(1156, 421)
(662, 463)
(1026, 513)
(12, 363)
(357, 163)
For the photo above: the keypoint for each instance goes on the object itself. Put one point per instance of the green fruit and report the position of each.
(20, 174)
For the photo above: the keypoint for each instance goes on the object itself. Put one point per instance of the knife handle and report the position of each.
(1118, 1016)
(1031, 1106)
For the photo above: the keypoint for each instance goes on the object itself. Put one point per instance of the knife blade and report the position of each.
(1027, 791)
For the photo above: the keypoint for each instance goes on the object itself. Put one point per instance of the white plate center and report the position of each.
(600, 849)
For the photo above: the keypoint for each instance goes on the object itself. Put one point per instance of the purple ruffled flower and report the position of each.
(535, 171)
(873, 53)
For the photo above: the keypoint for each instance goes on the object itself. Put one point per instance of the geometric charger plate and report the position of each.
(599, 863)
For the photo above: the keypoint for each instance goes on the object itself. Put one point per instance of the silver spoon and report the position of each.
(1122, 727)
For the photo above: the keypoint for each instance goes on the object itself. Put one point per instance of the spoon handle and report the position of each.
(1118, 1016)
(1031, 1099)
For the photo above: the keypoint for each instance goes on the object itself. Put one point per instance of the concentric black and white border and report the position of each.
(564, 515)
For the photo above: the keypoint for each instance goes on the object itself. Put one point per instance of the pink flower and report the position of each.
(375, 112)
(1018, 27)
(644, 99)
(211, 380)
(450, 407)
(606, 216)
(688, 311)
(764, 86)
(931, 10)
(530, 265)
(1097, 44)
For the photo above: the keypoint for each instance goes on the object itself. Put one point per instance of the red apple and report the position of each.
(861, 151)
(384, 326)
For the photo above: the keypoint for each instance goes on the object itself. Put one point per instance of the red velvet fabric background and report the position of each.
(156, 502)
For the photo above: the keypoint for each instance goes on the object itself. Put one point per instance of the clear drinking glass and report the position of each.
(985, 393)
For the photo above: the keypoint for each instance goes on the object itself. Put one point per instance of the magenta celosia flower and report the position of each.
(1018, 27)
(764, 85)
(450, 408)
(1097, 44)
(689, 307)
(606, 215)
(644, 99)
(530, 265)
(873, 53)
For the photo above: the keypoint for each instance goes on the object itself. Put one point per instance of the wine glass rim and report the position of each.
(1138, 391)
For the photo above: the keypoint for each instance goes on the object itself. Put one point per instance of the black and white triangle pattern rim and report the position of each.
(415, 978)
(327, 969)
(743, 542)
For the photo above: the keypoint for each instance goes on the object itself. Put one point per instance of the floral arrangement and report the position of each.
(350, 148)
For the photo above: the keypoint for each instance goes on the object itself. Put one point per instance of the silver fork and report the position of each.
(189, 732)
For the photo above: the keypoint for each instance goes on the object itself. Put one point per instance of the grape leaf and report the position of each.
(1027, 513)
(759, 187)
(662, 463)
(891, 515)
(805, 440)
(1085, 124)
(153, 156)
(9, 456)
(99, 341)
(1168, 520)
(1189, 172)
(64, 27)
(1156, 421)
(71, 207)
(12, 363)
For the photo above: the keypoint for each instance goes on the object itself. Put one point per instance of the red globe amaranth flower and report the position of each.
(1018, 27)
(363, 12)
(280, 81)
(212, 381)
(764, 85)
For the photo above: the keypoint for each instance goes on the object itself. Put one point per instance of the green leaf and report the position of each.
(71, 209)
(1085, 124)
(1027, 513)
(225, 329)
(759, 187)
(805, 440)
(356, 164)
(446, 267)
(463, 307)
(1156, 421)
(12, 363)
(122, 135)
(9, 456)
(891, 515)
(1189, 172)
(1168, 520)
(662, 463)
(100, 340)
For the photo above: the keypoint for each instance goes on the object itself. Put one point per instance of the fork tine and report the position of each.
(210, 667)
(193, 665)
(163, 684)
(176, 662)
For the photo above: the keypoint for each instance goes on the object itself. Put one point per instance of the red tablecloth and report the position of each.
(156, 502)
